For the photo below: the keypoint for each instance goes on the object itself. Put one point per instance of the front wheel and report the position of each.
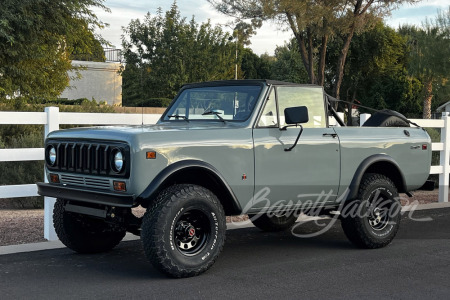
(82, 233)
(372, 221)
(183, 232)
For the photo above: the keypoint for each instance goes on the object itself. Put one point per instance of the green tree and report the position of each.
(164, 52)
(376, 71)
(253, 66)
(36, 39)
(132, 84)
(287, 64)
(313, 23)
(87, 48)
(430, 55)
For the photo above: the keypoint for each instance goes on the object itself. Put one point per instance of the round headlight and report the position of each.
(52, 156)
(118, 161)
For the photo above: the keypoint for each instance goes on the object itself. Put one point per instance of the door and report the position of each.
(309, 173)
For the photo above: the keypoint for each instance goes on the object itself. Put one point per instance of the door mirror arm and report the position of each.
(296, 140)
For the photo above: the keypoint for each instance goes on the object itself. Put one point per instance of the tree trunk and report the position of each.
(307, 55)
(357, 13)
(303, 52)
(312, 77)
(322, 58)
(350, 109)
(299, 36)
(427, 100)
(341, 62)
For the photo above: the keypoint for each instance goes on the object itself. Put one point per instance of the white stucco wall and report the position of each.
(99, 80)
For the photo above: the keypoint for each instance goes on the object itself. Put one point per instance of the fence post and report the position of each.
(363, 118)
(445, 159)
(49, 203)
(342, 117)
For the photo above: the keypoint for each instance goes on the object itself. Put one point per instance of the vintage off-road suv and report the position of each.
(258, 147)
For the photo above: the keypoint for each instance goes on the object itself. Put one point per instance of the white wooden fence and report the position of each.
(52, 118)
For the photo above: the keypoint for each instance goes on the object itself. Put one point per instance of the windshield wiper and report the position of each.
(214, 112)
(177, 117)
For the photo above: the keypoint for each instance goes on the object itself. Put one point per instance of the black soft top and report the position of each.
(244, 82)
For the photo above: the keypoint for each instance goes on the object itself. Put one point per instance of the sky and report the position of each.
(268, 36)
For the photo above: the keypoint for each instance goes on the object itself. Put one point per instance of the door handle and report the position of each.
(333, 135)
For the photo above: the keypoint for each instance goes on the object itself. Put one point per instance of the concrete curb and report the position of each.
(11, 249)
(427, 206)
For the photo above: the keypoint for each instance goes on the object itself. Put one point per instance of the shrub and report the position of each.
(24, 172)
(151, 102)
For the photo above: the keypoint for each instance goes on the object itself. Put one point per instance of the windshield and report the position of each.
(219, 103)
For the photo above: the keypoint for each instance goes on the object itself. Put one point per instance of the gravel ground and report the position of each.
(20, 226)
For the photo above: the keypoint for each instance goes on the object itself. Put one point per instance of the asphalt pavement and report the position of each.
(253, 265)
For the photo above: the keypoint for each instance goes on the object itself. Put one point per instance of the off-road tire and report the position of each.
(386, 118)
(183, 231)
(82, 233)
(271, 222)
(372, 221)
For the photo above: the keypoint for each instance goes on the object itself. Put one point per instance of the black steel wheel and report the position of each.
(274, 222)
(183, 231)
(84, 234)
(192, 231)
(373, 220)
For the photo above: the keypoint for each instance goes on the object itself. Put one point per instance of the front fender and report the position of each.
(168, 176)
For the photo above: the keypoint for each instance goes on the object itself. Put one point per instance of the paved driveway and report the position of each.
(253, 265)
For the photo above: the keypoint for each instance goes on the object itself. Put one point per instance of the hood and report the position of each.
(129, 133)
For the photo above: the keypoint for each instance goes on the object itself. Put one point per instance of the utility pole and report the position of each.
(236, 37)
(236, 65)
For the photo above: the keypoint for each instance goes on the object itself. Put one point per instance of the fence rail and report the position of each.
(52, 119)
(113, 54)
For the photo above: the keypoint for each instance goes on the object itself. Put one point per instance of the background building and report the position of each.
(99, 80)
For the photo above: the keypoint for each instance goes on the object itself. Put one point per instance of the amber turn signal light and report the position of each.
(54, 178)
(120, 186)
(151, 155)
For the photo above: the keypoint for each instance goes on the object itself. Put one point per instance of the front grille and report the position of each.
(90, 158)
(98, 183)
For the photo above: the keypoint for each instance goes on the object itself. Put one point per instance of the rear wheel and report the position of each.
(373, 220)
(84, 234)
(273, 222)
(183, 232)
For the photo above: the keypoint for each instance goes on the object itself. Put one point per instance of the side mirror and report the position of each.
(296, 115)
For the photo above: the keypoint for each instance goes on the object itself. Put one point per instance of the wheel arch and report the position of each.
(380, 164)
(193, 172)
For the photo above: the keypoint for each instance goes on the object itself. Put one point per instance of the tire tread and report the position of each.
(353, 227)
(152, 232)
(79, 242)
